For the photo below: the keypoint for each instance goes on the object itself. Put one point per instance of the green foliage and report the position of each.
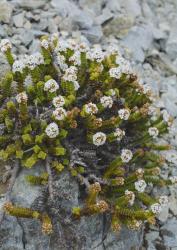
(88, 98)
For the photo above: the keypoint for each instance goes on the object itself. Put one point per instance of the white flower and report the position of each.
(113, 49)
(153, 131)
(106, 101)
(76, 58)
(99, 139)
(91, 108)
(83, 47)
(70, 74)
(52, 130)
(58, 101)
(34, 60)
(131, 197)
(95, 54)
(115, 72)
(61, 46)
(61, 62)
(163, 200)
(112, 92)
(134, 224)
(76, 85)
(119, 134)
(166, 116)
(140, 186)
(126, 155)
(124, 114)
(173, 179)
(59, 114)
(22, 97)
(124, 65)
(5, 45)
(146, 89)
(139, 173)
(45, 44)
(72, 44)
(51, 86)
(18, 66)
(156, 208)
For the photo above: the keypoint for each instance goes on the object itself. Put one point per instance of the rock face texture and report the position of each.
(146, 32)
(87, 233)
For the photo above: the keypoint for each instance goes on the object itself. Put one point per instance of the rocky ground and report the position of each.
(146, 31)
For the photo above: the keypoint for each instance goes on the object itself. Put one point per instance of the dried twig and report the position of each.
(50, 179)
(10, 187)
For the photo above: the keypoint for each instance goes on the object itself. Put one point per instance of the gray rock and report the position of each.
(19, 20)
(65, 7)
(94, 6)
(104, 17)
(171, 46)
(131, 7)
(169, 233)
(85, 234)
(82, 19)
(5, 11)
(163, 216)
(26, 36)
(138, 40)
(94, 34)
(4, 66)
(119, 26)
(2, 32)
(32, 4)
(173, 204)
(113, 6)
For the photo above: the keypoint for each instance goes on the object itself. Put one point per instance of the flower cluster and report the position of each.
(52, 130)
(5, 45)
(22, 97)
(140, 186)
(70, 96)
(126, 155)
(51, 86)
(99, 139)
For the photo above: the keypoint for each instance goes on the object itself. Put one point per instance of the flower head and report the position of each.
(119, 134)
(76, 58)
(22, 97)
(51, 86)
(5, 45)
(70, 74)
(156, 208)
(153, 131)
(115, 72)
(34, 60)
(173, 179)
(59, 114)
(124, 114)
(58, 101)
(106, 101)
(91, 108)
(61, 62)
(18, 66)
(52, 130)
(45, 44)
(131, 197)
(140, 186)
(126, 155)
(96, 54)
(99, 139)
